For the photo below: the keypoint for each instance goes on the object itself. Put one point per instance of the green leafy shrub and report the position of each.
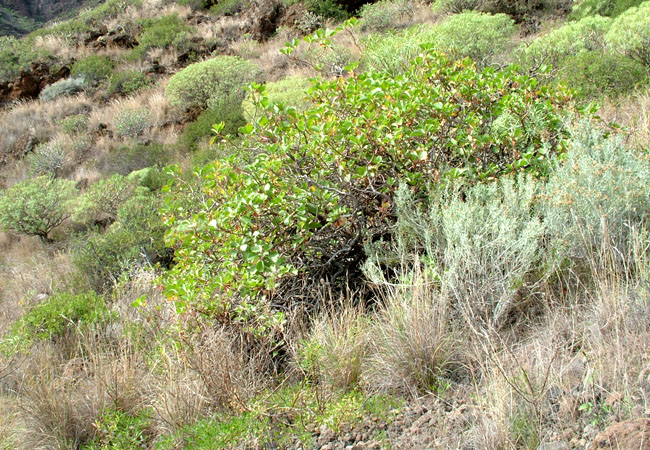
(569, 40)
(596, 74)
(319, 184)
(213, 80)
(131, 123)
(15, 55)
(475, 35)
(630, 33)
(605, 8)
(74, 124)
(136, 238)
(160, 32)
(62, 88)
(93, 68)
(385, 14)
(48, 159)
(36, 206)
(291, 91)
(128, 82)
(53, 317)
(200, 129)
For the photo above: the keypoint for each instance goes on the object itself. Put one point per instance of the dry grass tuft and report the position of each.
(29, 272)
(413, 342)
(337, 348)
(633, 113)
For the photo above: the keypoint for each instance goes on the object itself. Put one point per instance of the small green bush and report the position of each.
(93, 68)
(218, 78)
(384, 14)
(160, 32)
(605, 8)
(48, 159)
(36, 206)
(136, 238)
(128, 82)
(289, 92)
(62, 88)
(630, 33)
(74, 124)
(15, 55)
(150, 177)
(117, 430)
(201, 128)
(569, 40)
(132, 123)
(471, 34)
(53, 318)
(478, 36)
(596, 74)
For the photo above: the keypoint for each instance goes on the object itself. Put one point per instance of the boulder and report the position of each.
(632, 434)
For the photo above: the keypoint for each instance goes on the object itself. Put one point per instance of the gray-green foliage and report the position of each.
(131, 123)
(476, 35)
(36, 206)
(630, 33)
(480, 244)
(211, 81)
(385, 14)
(597, 199)
(48, 158)
(62, 88)
(555, 47)
(392, 52)
(479, 36)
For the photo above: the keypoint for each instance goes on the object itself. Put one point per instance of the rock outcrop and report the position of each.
(629, 435)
